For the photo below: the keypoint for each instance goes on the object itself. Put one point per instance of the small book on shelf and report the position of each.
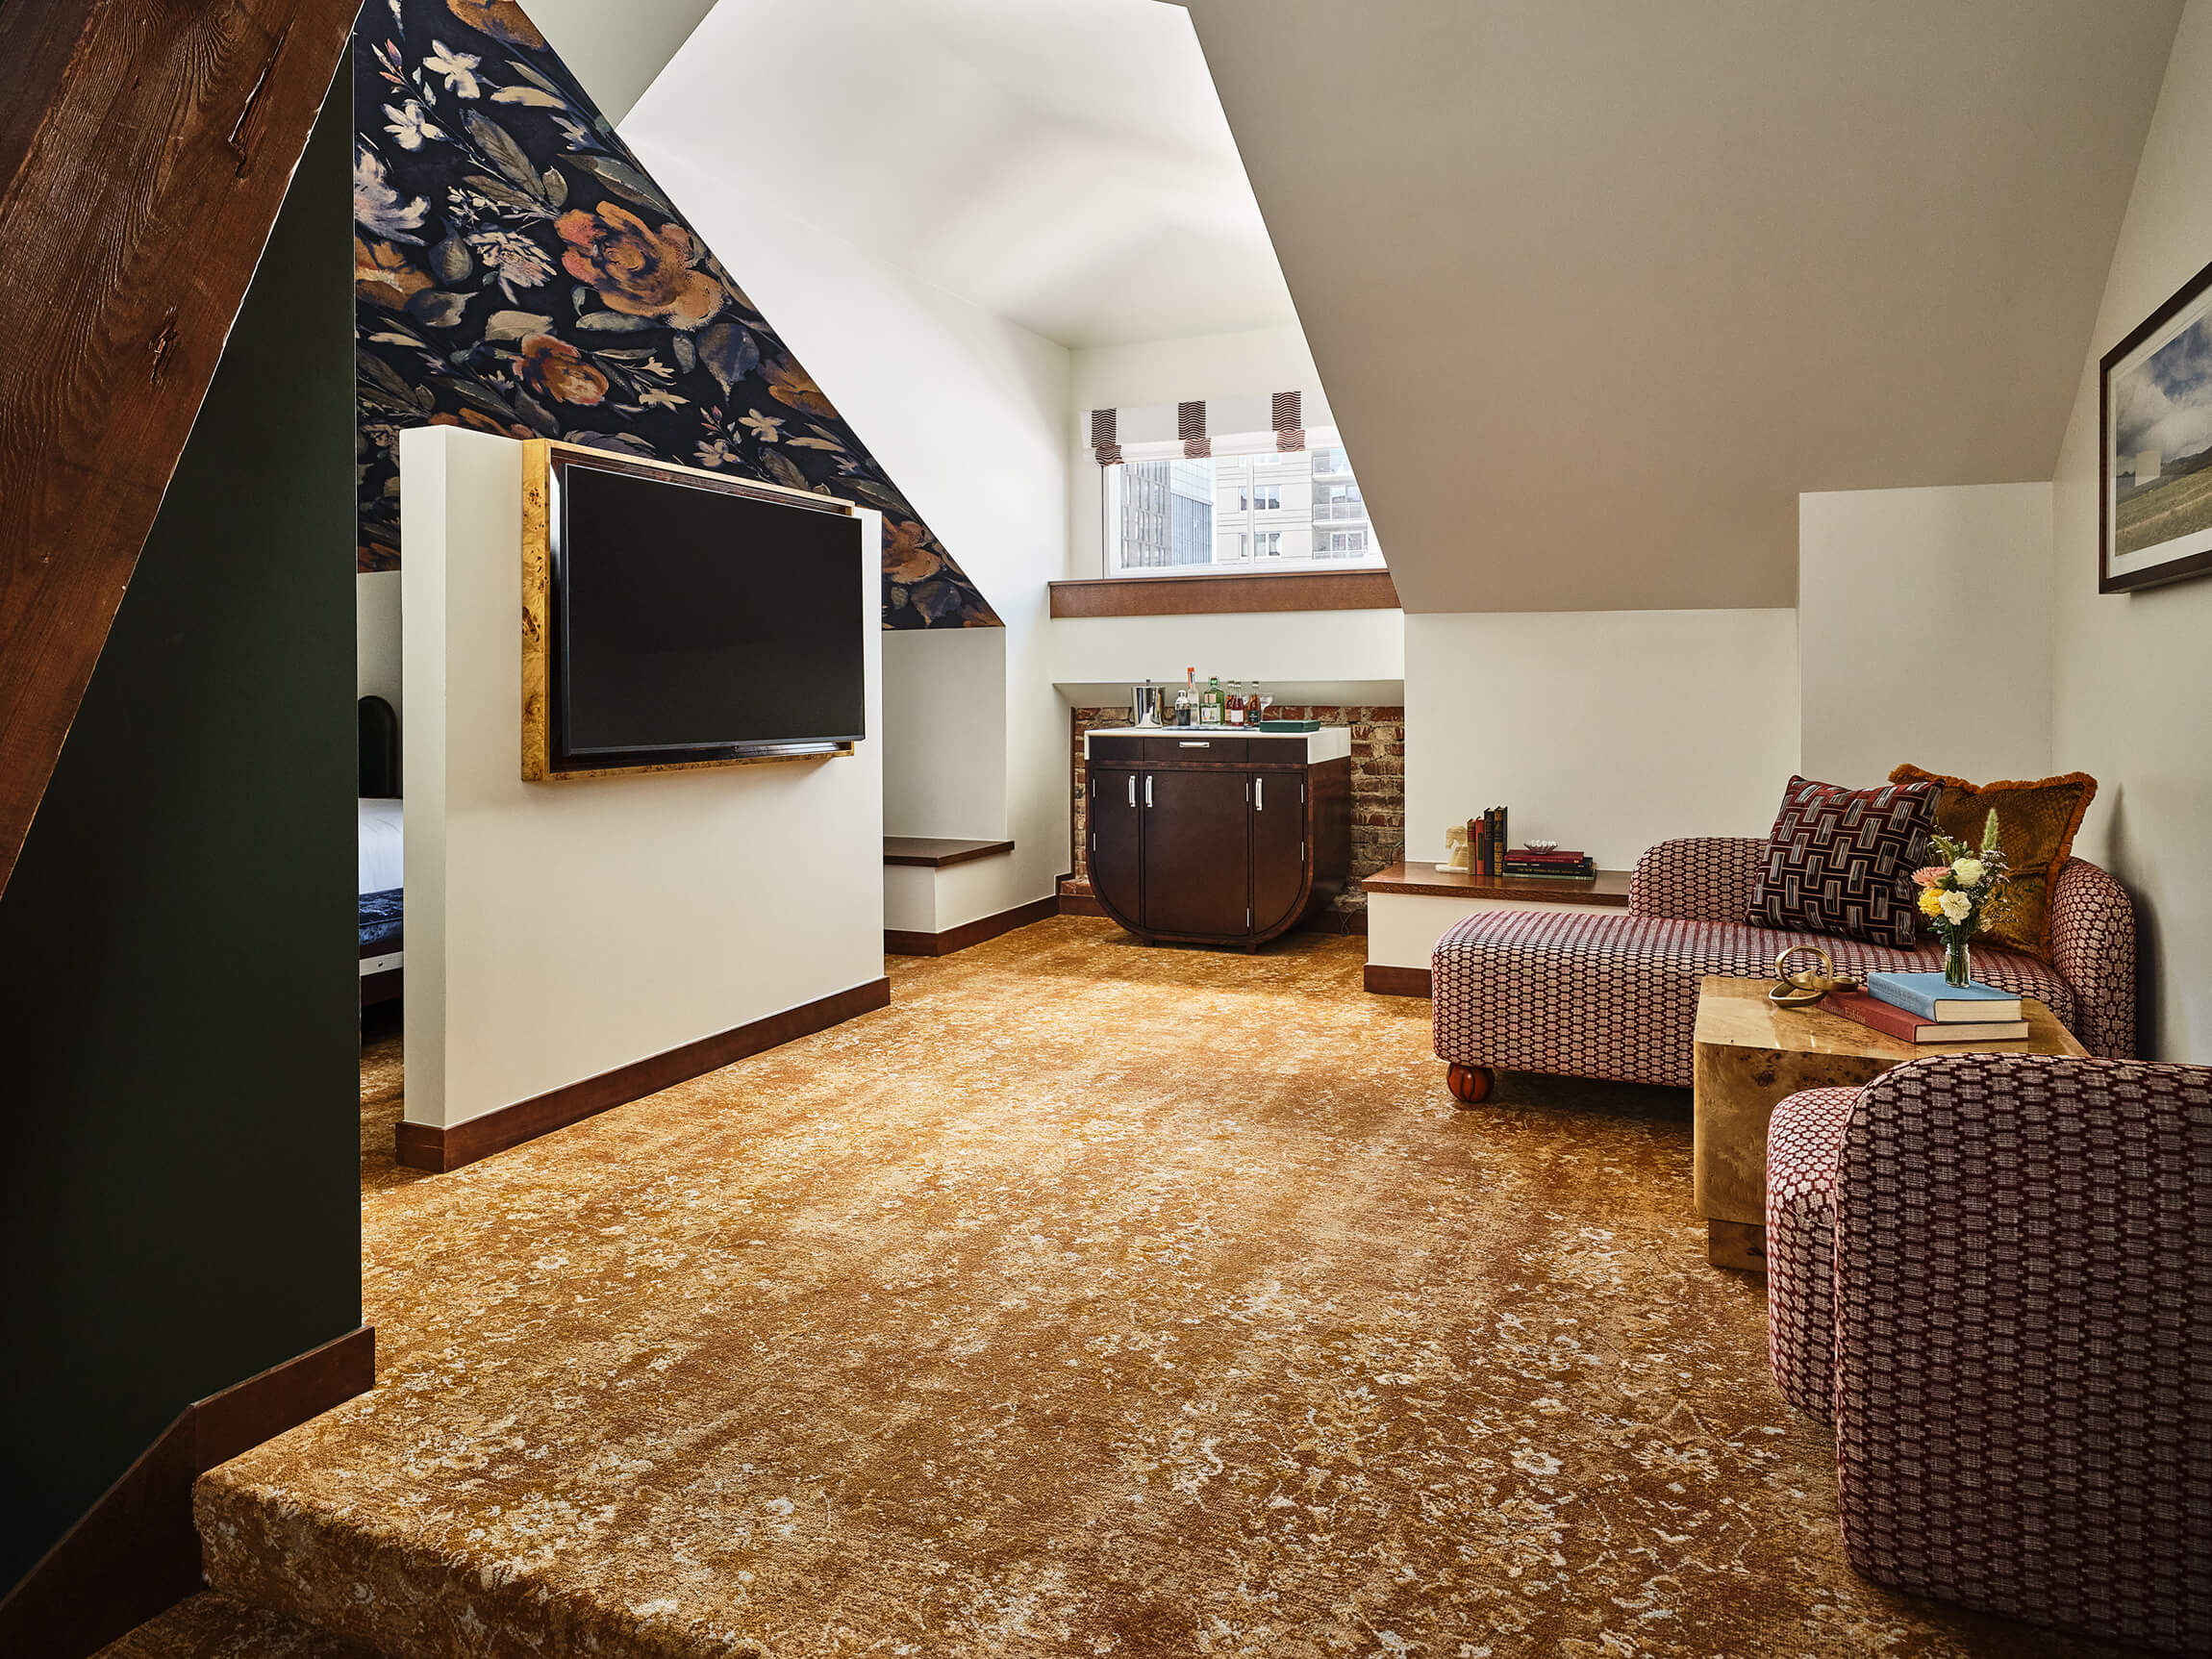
(1910, 1027)
(1929, 996)
(1520, 861)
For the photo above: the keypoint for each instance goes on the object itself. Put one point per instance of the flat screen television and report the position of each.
(695, 619)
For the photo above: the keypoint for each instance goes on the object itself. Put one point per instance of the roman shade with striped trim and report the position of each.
(1250, 425)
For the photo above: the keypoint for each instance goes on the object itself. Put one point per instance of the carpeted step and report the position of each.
(212, 1625)
(409, 1598)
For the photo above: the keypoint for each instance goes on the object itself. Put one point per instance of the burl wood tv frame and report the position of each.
(543, 459)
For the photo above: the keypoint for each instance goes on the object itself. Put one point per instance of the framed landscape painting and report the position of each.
(2155, 420)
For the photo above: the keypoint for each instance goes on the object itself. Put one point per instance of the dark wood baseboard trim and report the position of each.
(1080, 904)
(440, 1152)
(1226, 592)
(1352, 923)
(1397, 981)
(899, 941)
(134, 1552)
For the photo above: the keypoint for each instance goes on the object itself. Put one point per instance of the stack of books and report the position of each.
(1490, 853)
(1567, 866)
(1921, 1008)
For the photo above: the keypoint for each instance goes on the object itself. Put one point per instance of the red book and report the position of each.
(1909, 1027)
(1527, 855)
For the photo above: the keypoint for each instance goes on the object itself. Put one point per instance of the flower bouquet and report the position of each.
(1955, 893)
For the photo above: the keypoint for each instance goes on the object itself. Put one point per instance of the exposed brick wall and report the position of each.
(1378, 788)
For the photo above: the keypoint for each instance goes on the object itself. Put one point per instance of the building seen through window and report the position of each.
(1270, 511)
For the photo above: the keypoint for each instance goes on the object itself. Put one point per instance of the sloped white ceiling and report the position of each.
(1063, 163)
(1597, 287)
(616, 47)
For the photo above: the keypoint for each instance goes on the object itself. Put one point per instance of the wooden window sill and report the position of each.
(1226, 591)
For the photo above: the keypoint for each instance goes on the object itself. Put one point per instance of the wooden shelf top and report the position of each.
(937, 851)
(1608, 889)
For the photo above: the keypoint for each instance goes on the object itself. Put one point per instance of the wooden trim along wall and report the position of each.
(1223, 592)
(1387, 981)
(136, 1552)
(441, 1151)
(125, 262)
(899, 941)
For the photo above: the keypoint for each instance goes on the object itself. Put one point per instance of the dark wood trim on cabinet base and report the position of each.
(900, 941)
(1347, 921)
(1385, 981)
(136, 1552)
(427, 1147)
(1225, 592)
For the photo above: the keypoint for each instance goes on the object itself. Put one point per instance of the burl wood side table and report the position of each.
(1752, 1056)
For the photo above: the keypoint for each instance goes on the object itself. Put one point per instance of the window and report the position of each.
(1180, 514)
(1166, 514)
(1335, 503)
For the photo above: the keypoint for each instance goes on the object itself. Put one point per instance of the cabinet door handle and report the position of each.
(1148, 788)
(1259, 795)
(1190, 745)
(1132, 789)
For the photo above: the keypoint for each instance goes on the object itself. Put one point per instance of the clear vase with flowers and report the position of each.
(1955, 894)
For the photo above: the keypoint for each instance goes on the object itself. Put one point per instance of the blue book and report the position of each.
(1929, 996)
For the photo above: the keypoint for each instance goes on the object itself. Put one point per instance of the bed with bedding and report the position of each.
(382, 850)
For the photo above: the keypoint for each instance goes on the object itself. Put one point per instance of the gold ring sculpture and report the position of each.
(1804, 987)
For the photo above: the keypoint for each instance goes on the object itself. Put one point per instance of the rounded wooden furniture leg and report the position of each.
(1470, 1085)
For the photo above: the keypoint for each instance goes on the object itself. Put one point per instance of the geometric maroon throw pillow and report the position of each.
(1841, 861)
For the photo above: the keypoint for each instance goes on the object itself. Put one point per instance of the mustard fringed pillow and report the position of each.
(2036, 823)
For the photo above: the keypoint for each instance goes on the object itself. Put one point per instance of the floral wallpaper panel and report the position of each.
(515, 269)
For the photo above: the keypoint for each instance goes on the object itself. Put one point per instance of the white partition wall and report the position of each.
(1606, 730)
(557, 931)
(944, 733)
(1924, 622)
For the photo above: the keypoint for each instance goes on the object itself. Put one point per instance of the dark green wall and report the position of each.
(179, 1196)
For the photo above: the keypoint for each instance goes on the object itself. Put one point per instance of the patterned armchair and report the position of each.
(1593, 994)
(1993, 1276)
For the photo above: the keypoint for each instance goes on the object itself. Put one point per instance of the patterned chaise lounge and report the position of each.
(1587, 993)
(1993, 1275)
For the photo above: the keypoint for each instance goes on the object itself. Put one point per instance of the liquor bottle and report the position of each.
(1182, 708)
(1235, 712)
(1212, 713)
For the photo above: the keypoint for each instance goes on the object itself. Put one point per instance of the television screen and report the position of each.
(694, 624)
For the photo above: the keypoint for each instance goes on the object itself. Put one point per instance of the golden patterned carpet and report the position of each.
(1091, 1299)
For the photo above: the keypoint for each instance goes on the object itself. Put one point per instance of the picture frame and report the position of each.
(2154, 446)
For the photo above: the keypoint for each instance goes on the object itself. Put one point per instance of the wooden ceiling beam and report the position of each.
(145, 150)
